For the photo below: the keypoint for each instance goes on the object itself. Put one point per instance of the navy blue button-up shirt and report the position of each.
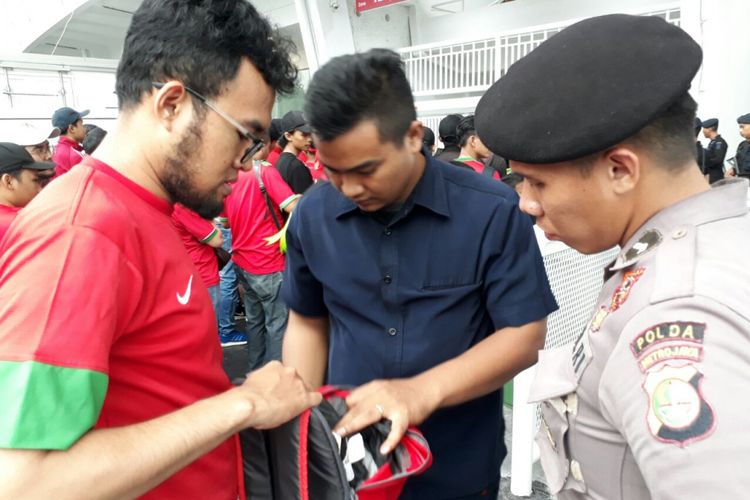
(457, 262)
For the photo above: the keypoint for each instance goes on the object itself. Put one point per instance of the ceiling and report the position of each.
(97, 28)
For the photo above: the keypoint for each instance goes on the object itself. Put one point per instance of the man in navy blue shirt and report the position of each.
(415, 280)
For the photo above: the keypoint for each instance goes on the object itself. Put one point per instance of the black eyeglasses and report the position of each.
(256, 143)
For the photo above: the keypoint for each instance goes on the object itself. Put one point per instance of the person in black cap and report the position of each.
(716, 151)
(644, 404)
(69, 150)
(474, 154)
(274, 134)
(94, 136)
(21, 179)
(700, 151)
(296, 133)
(449, 136)
(429, 139)
(742, 158)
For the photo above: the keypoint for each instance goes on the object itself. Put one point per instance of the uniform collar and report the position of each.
(725, 199)
(430, 192)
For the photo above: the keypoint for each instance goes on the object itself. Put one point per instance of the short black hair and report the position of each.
(356, 87)
(429, 137)
(465, 129)
(94, 137)
(64, 130)
(669, 137)
(201, 43)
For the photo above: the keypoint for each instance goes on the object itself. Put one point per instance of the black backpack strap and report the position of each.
(488, 171)
(276, 223)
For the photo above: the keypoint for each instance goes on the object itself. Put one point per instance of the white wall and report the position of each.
(387, 27)
(722, 88)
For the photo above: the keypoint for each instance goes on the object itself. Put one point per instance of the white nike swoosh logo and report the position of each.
(185, 298)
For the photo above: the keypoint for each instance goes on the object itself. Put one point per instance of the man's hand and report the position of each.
(277, 395)
(404, 402)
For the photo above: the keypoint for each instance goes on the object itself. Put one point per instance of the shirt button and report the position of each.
(387, 279)
(392, 332)
(388, 232)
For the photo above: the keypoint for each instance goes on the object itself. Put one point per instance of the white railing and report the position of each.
(473, 65)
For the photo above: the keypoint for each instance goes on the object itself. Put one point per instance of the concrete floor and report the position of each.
(235, 364)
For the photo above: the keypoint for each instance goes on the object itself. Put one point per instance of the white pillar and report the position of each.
(326, 30)
(522, 438)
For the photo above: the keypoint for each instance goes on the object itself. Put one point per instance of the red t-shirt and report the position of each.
(195, 232)
(68, 153)
(251, 221)
(273, 156)
(104, 323)
(477, 166)
(7, 215)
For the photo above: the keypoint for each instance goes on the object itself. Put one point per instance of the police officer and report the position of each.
(716, 150)
(743, 150)
(650, 400)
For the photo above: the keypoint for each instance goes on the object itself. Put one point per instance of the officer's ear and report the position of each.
(623, 169)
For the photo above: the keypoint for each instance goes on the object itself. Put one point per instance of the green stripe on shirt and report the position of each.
(47, 407)
(211, 235)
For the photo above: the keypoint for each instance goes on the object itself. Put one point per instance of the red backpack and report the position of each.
(304, 460)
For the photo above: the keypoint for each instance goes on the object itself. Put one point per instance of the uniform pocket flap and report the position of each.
(554, 374)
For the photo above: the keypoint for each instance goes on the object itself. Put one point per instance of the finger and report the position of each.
(356, 419)
(399, 424)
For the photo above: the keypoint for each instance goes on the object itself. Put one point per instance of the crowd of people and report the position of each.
(363, 257)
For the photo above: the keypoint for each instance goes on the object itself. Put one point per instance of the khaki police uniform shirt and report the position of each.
(651, 401)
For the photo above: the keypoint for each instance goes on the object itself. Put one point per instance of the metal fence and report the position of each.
(473, 65)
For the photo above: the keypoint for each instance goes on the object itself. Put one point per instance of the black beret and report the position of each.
(698, 124)
(274, 130)
(447, 127)
(711, 122)
(744, 119)
(592, 85)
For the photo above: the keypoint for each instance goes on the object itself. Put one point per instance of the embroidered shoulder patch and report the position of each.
(677, 411)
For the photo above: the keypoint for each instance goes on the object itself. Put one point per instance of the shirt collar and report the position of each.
(725, 199)
(430, 192)
(71, 142)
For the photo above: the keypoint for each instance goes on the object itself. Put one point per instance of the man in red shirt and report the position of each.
(274, 133)
(21, 178)
(473, 151)
(255, 213)
(109, 361)
(69, 151)
(200, 237)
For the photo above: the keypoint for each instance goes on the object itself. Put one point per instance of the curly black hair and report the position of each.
(201, 43)
(367, 86)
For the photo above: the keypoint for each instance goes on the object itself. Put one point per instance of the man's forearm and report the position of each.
(306, 347)
(123, 462)
(487, 366)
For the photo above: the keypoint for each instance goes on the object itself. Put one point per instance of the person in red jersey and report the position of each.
(473, 151)
(255, 214)
(69, 150)
(200, 237)
(112, 378)
(21, 178)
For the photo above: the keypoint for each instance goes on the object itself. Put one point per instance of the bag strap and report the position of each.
(256, 169)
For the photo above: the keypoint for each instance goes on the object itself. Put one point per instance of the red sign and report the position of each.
(363, 5)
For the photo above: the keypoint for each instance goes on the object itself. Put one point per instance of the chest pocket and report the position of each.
(555, 385)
